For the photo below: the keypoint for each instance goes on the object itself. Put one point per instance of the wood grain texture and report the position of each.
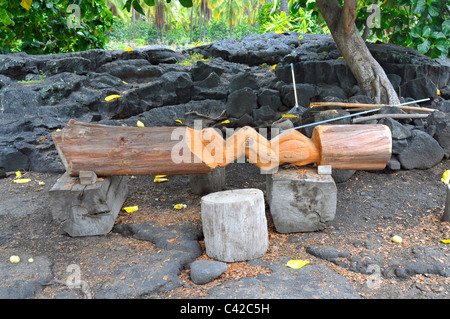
(121, 151)
(353, 147)
(117, 151)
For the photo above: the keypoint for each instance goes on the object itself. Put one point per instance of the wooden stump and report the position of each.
(87, 210)
(235, 225)
(446, 216)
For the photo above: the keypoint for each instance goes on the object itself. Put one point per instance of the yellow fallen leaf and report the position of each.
(226, 122)
(131, 209)
(179, 121)
(128, 49)
(397, 239)
(14, 259)
(160, 180)
(124, 82)
(274, 66)
(438, 92)
(41, 183)
(445, 241)
(297, 264)
(160, 176)
(30, 260)
(341, 57)
(140, 124)
(22, 180)
(26, 4)
(18, 174)
(446, 177)
(324, 52)
(289, 116)
(112, 97)
(180, 206)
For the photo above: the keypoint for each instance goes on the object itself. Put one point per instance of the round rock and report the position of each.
(204, 271)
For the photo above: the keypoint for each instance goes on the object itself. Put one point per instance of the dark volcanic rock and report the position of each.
(138, 70)
(253, 49)
(422, 152)
(241, 102)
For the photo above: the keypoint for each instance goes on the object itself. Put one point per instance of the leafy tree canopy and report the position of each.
(53, 26)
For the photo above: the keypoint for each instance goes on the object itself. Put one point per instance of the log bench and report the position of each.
(86, 205)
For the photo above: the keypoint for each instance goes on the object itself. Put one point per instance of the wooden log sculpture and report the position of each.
(117, 151)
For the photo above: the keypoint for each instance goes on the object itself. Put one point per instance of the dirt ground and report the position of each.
(372, 207)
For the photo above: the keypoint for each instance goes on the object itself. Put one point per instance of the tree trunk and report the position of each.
(192, 25)
(235, 225)
(367, 71)
(134, 26)
(284, 7)
(231, 19)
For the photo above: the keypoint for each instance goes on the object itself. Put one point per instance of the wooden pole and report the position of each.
(446, 216)
(394, 116)
(374, 106)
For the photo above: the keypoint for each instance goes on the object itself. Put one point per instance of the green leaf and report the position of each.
(150, 3)
(437, 35)
(5, 17)
(137, 6)
(186, 3)
(433, 11)
(424, 47)
(419, 7)
(446, 27)
(426, 32)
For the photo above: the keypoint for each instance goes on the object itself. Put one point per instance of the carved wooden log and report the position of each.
(113, 150)
(118, 151)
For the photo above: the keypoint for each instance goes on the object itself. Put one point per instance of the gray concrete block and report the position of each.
(301, 200)
(87, 210)
(202, 184)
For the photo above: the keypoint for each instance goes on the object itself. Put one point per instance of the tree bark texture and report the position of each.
(367, 71)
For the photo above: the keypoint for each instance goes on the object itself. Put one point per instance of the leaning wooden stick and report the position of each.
(116, 151)
(374, 106)
(393, 116)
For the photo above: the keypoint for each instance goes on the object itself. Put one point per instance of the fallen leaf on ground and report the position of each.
(297, 264)
(112, 97)
(22, 180)
(131, 209)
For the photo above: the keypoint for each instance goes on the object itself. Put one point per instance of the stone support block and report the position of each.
(300, 199)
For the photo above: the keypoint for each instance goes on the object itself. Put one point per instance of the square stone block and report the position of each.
(300, 199)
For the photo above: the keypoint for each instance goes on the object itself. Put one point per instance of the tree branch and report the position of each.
(349, 15)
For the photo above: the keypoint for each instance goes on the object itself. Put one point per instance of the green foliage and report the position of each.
(45, 27)
(302, 18)
(42, 78)
(193, 58)
(138, 4)
(420, 24)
